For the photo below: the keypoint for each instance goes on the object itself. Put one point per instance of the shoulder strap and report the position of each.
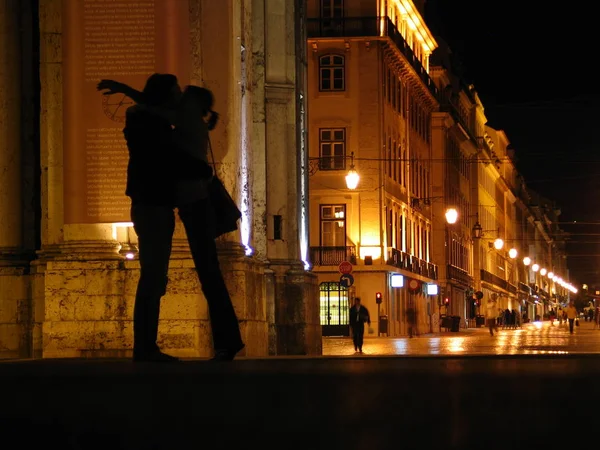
(212, 155)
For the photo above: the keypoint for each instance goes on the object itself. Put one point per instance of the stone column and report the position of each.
(11, 232)
(296, 299)
(15, 305)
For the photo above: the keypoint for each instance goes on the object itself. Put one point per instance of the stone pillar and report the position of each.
(15, 306)
(296, 299)
(11, 232)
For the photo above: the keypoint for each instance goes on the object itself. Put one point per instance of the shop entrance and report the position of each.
(334, 309)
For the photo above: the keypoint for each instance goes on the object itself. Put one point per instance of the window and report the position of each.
(332, 13)
(332, 9)
(332, 143)
(331, 73)
(333, 225)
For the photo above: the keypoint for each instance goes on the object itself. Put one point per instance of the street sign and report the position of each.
(346, 280)
(414, 285)
(345, 267)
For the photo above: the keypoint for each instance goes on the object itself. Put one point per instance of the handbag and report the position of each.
(226, 212)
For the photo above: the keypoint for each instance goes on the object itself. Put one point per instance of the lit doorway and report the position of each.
(334, 309)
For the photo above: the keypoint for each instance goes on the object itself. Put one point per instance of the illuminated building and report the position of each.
(370, 99)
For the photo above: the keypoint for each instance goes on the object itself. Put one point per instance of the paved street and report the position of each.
(515, 390)
(531, 339)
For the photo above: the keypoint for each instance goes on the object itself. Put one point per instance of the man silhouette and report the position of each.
(150, 186)
(358, 316)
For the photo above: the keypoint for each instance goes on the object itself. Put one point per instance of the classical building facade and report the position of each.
(370, 101)
(503, 245)
(68, 267)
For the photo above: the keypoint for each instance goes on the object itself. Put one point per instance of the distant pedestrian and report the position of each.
(491, 315)
(571, 315)
(358, 316)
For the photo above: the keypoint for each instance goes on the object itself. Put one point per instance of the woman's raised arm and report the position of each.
(116, 87)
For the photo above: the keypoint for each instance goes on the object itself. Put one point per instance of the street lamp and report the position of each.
(451, 215)
(477, 230)
(527, 260)
(325, 163)
(535, 267)
(512, 253)
(352, 178)
(498, 244)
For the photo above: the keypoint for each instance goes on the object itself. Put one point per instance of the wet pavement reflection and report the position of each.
(533, 338)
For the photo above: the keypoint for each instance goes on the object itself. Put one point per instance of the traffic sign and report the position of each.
(346, 280)
(414, 285)
(345, 267)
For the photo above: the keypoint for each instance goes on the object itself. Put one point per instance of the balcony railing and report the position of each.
(332, 256)
(524, 288)
(413, 264)
(369, 27)
(497, 281)
(460, 275)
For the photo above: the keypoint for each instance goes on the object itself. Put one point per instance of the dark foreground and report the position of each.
(347, 403)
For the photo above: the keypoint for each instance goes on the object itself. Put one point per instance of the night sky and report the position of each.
(533, 70)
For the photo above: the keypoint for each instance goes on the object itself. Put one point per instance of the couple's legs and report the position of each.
(154, 226)
(198, 221)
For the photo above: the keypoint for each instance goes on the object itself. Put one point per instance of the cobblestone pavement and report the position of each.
(535, 338)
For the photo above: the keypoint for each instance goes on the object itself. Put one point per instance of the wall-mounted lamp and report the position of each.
(512, 253)
(477, 232)
(333, 163)
(527, 260)
(535, 267)
(352, 178)
(451, 215)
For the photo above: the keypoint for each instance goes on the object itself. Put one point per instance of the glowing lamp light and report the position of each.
(352, 178)
(550, 275)
(535, 267)
(527, 260)
(498, 244)
(129, 255)
(512, 253)
(555, 278)
(397, 280)
(451, 215)
(432, 289)
(543, 272)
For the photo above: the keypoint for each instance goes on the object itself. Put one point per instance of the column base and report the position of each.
(296, 310)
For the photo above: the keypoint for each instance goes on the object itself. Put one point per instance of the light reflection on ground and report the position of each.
(539, 338)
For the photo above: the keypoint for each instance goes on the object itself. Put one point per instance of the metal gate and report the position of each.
(334, 309)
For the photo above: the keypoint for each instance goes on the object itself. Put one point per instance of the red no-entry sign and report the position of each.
(345, 267)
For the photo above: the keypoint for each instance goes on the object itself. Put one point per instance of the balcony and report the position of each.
(497, 281)
(413, 264)
(369, 27)
(460, 275)
(332, 256)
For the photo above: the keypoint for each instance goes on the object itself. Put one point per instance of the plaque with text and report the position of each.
(124, 40)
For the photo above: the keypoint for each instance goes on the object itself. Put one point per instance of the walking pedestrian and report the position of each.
(491, 315)
(358, 316)
(571, 315)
